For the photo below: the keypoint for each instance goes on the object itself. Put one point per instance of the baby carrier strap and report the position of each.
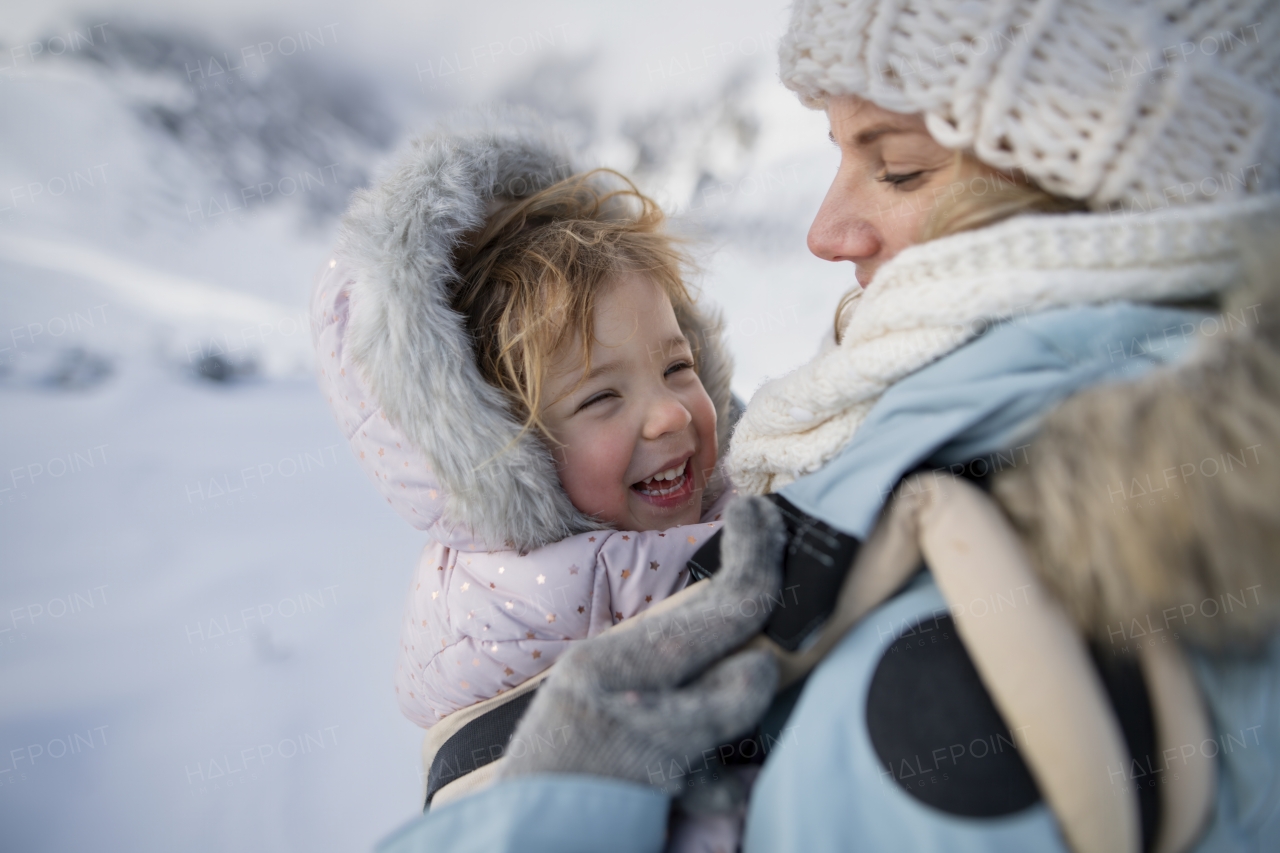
(1032, 661)
(815, 564)
(1038, 672)
(460, 753)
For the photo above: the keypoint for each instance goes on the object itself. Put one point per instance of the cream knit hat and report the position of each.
(1128, 104)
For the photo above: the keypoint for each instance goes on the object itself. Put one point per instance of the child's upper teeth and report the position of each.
(669, 474)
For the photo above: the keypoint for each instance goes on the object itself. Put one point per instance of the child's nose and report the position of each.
(667, 415)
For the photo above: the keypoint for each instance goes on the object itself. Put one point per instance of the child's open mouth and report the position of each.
(666, 488)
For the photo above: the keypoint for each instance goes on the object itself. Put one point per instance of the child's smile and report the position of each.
(669, 487)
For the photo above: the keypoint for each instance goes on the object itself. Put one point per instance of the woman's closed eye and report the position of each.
(900, 179)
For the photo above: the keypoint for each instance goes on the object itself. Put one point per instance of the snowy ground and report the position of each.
(199, 591)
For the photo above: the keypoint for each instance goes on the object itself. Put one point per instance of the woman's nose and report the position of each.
(666, 415)
(840, 231)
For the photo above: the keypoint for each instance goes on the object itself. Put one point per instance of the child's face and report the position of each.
(641, 413)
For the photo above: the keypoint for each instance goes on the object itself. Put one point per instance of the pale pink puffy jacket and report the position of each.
(480, 622)
(440, 444)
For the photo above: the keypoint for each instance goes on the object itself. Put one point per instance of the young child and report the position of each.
(512, 352)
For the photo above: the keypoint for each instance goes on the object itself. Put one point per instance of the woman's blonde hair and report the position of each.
(1003, 197)
(528, 281)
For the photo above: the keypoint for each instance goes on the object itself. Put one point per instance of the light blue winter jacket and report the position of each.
(823, 788)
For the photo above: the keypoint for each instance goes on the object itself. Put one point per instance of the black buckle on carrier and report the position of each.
(816, 561)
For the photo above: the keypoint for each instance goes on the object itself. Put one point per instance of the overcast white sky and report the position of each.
(638, 44)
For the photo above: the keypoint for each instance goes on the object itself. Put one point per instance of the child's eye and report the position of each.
(677, 367)
(596, 398)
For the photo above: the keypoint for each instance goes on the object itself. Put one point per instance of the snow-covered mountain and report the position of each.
(196, 184)
(191, 192)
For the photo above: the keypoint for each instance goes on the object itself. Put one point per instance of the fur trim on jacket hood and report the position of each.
(1154, 505)
(382, 307)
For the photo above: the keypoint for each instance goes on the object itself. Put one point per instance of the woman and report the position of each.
(1067, 300)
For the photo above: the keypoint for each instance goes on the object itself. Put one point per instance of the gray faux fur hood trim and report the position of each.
(413, 350)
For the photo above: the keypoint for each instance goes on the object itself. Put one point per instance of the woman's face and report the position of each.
(892, 174)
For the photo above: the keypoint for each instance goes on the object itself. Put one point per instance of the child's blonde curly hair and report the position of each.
(528, 280)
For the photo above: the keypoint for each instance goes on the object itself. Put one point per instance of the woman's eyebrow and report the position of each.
(871, 134)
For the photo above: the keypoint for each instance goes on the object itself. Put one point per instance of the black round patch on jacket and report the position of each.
(938, 735)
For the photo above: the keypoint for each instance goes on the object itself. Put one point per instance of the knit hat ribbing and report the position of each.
(1123, 103)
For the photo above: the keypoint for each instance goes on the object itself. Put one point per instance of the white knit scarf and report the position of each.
(934, 297)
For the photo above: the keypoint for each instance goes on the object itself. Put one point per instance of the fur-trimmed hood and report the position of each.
(1152, 508)
(397, 362)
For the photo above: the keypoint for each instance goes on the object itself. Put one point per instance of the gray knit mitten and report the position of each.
(656, 689)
